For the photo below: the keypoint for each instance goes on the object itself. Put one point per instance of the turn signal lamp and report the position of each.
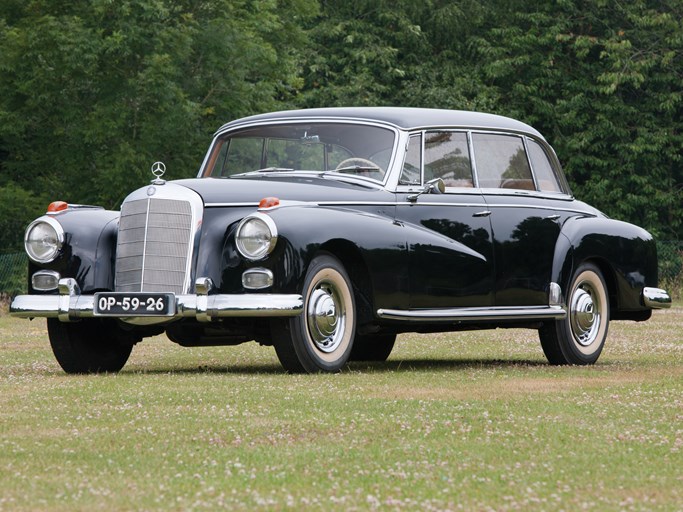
(269, 202)
(57, 206)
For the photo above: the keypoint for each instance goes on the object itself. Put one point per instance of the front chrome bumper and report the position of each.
(70, 305)
(656, 298)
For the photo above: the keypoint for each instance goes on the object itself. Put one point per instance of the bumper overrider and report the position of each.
(69, 305)
(656, 298)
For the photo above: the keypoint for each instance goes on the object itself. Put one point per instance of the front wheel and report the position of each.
(89, 346)
(580, 337)
(320, 339)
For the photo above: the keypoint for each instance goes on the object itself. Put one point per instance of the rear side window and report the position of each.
(502, 162)
(543, 169)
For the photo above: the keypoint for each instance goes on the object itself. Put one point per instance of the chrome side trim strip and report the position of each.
(228, 205)
(412, 205)
(474, 314)
(656, 298)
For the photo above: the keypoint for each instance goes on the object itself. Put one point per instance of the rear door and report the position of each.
(527, 212)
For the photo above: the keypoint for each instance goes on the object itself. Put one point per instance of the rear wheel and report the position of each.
(372, 347)
(89, 346)
(320, 339)
(580, 337)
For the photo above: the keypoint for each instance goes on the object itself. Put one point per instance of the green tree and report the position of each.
(602, 80)
(91, 93)
(396, 53)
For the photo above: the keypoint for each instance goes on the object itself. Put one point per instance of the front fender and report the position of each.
(372, 237)
(626, 254)
(89, 248)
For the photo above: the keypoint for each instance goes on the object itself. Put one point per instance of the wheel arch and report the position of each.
(351, 257)
(609, 276)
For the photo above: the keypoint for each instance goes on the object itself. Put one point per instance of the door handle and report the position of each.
(553, 217)
(484, 213)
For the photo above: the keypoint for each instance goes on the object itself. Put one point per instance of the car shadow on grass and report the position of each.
(392, 366)
(442, 364)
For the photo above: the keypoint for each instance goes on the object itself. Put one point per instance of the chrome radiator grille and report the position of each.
(154, 246)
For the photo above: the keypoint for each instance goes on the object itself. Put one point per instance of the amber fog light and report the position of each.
(43, 239)
(45, 280)
(257, 278)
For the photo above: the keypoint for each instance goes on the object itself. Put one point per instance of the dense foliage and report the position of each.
(92, 92)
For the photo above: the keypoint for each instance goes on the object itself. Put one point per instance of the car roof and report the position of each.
(404, 118)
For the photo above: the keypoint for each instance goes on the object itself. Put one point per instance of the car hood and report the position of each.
(294, 188)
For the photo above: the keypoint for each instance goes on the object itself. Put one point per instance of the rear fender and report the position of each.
(625, 253)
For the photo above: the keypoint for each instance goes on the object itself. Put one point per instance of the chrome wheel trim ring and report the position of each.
(326, 316)
(585, 314)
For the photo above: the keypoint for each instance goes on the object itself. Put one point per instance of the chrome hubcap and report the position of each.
(585, 315)
(326, 317)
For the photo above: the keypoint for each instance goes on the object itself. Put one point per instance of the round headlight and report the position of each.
(43, 240)
(256, 236)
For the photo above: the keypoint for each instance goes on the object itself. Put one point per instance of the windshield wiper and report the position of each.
(266, 169)
(357, 168)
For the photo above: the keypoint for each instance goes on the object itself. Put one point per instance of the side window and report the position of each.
(410, 175)
(543, 169)
(447, 157)
(501, 162)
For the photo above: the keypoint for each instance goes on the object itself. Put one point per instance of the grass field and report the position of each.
(465, 421)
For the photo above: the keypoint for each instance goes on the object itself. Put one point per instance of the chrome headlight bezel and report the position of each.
(57, 240)
(264, 225)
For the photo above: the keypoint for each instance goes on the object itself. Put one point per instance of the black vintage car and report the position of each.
(327, 232)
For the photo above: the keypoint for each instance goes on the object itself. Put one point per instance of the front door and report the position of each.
(449, 235)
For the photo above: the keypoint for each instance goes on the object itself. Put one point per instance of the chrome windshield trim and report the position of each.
(389, 171)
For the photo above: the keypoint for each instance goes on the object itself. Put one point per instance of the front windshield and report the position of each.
(356, 149)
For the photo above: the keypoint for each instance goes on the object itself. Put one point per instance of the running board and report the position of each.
(474, 314)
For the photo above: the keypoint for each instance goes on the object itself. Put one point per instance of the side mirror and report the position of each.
(435, 186)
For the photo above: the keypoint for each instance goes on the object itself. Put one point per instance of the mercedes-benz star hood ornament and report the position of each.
(158, 169)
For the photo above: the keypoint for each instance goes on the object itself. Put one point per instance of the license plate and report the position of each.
(134, 304)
